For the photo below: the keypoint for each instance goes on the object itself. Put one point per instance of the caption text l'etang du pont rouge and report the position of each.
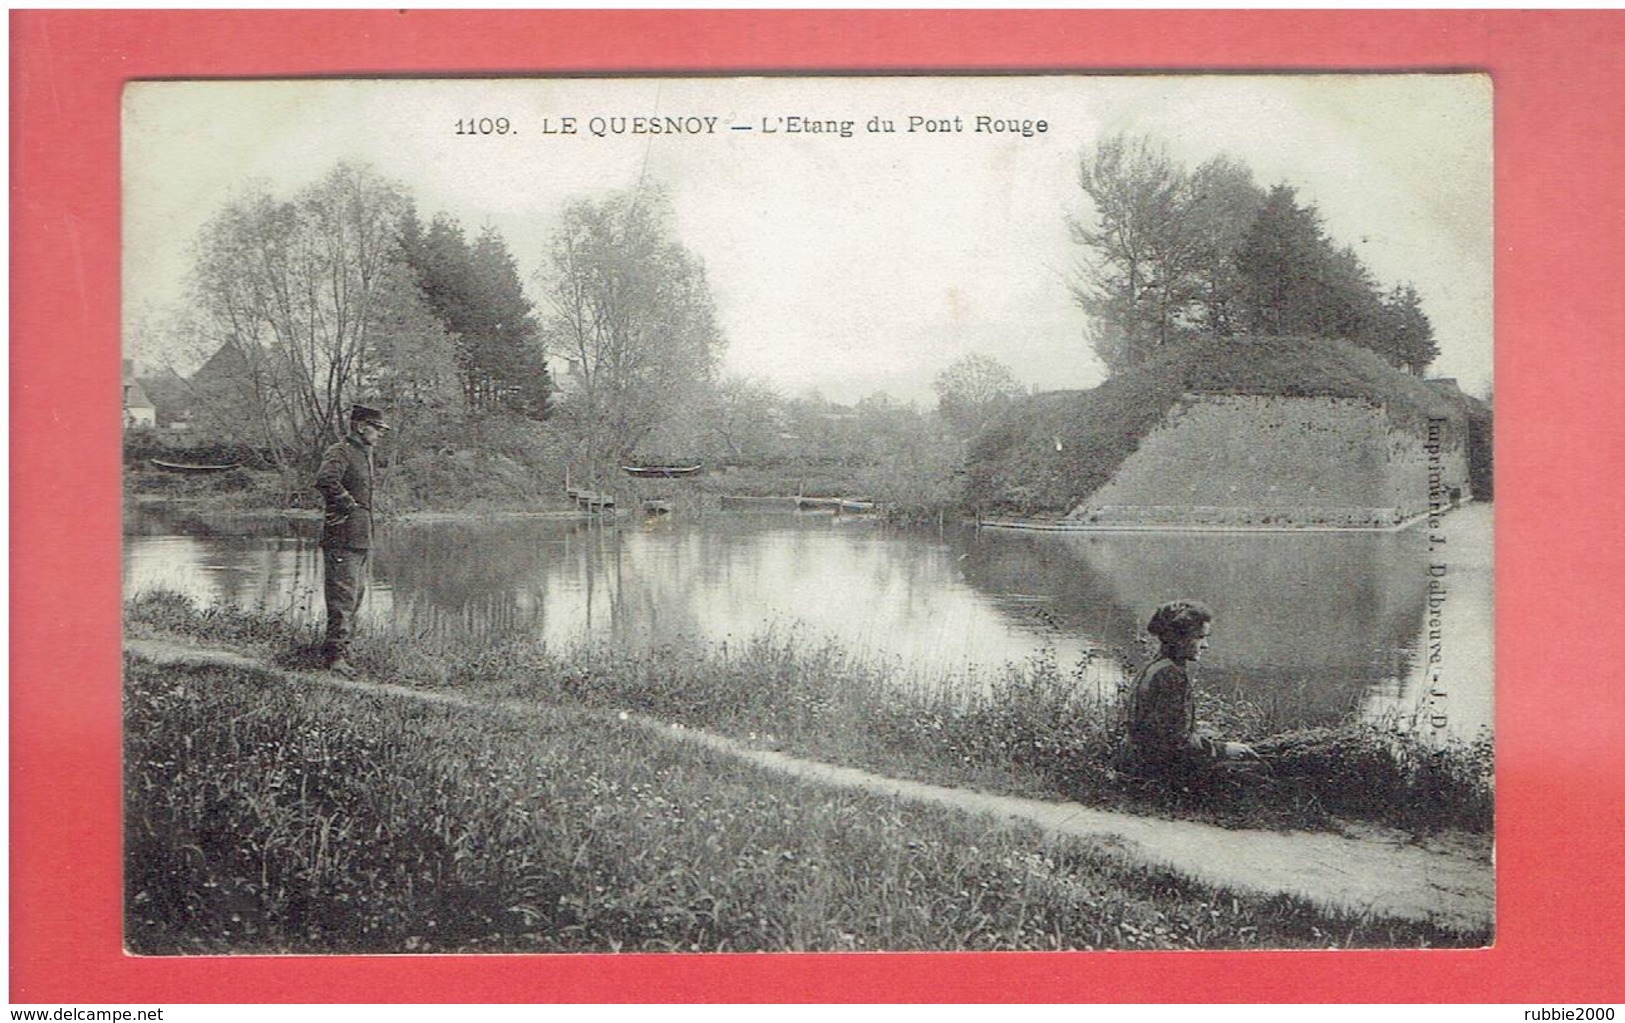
(608, 126)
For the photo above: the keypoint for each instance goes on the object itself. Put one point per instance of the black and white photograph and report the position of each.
(808, 513)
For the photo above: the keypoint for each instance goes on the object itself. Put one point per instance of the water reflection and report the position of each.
(1317, 624)
(1297, 615)
(277, 575)
(1447, 686)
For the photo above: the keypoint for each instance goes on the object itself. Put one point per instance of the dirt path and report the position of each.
(1449, 881)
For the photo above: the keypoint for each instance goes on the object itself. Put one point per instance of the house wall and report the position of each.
(138, 411)
(1260, 460)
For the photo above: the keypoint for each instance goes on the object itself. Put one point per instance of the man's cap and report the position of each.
(368, 414)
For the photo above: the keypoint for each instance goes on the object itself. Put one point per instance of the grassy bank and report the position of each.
(265, 814)
(1038, 729)
(1058, 448)
(454, 489)
(464, 486)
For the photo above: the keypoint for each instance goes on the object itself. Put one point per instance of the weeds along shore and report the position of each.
(1036, 729)
(266, 813)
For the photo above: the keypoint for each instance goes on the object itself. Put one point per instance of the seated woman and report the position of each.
(1162, 733)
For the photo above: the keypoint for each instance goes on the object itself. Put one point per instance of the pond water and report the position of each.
(1316, 624)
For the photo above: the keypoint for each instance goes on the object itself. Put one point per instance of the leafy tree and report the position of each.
(1224, 201)
(1280, 263)
(822, 430)
(1172, 254)
(1353, 300)
(475, 291)
(974, 391)
(1159, 262)
(1411, 344)
(417, 361)
(631, 310)
(908, 463)
(1138, 194)
(511, 364)
(1297, 281)
(734, 419)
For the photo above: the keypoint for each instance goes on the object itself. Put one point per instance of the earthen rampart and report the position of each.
(1283, 461)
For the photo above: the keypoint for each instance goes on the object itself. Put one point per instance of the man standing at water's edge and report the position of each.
(345, 483)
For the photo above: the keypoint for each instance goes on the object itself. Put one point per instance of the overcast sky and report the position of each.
(854, 264)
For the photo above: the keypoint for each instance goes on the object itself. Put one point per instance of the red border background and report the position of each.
(1560, 215)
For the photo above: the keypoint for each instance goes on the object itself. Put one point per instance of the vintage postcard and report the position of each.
(808, 513)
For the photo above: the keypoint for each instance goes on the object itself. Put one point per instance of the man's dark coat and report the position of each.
(345, 482)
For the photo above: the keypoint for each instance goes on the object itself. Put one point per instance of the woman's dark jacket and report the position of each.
(1162, 712)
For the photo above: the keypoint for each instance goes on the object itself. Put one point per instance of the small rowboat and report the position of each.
(184, 467)
(660, 472)
(842, 504)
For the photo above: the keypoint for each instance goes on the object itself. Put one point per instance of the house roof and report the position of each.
(166, 388)
(228, 362)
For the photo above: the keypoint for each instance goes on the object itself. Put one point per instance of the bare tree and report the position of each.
(741, 414)
(297, 295)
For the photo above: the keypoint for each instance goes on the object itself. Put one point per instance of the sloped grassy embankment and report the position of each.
(1056, 449)
(270, 814)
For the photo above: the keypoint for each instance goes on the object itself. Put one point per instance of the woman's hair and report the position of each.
(1179, 620)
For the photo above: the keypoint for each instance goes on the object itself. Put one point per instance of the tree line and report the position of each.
(341, 292)
(344, 291)
(1173, 254)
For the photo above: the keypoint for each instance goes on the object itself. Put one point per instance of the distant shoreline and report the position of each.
(1040, 526)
